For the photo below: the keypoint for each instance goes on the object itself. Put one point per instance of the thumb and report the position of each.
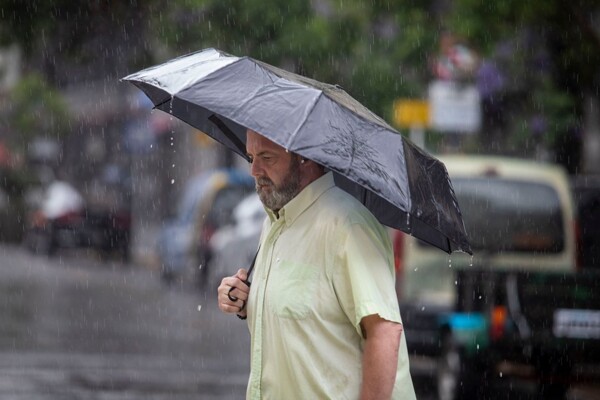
(242, 274)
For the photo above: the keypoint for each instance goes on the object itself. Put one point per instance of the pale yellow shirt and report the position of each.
(323, 265)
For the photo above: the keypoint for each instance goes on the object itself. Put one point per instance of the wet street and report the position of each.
(76, 328)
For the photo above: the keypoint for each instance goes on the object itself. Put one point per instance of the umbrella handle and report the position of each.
(246, 281)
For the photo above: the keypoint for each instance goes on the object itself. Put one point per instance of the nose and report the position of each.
(255, 168)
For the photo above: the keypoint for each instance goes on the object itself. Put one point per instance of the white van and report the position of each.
(518, 215)
(520, 219)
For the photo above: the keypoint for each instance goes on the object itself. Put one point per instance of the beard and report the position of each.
(274, 197)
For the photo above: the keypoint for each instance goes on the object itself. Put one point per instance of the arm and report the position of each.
(380, 358)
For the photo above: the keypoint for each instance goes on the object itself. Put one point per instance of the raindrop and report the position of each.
(477, 346)
(199, 307)
(423, 308)
(471, 263)
(500, 374)
(200, 266)
(456, 283)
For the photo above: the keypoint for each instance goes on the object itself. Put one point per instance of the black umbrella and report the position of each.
(223, 95)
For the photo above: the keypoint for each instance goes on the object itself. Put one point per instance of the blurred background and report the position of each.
(92, 181)
(522, 78)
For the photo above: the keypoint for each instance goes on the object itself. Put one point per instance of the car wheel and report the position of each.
(455, 379)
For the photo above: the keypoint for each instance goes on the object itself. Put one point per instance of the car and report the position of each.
(206, 204)
(62, 219)
(586, 190)
(471, 313)
(12, 207)
(235, 245)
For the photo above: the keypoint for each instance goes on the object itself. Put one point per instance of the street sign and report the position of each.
(411, 113)
(454, 107)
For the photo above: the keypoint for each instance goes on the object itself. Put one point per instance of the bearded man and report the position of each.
(322, 311)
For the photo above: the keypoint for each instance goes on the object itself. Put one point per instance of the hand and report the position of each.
(232, 294)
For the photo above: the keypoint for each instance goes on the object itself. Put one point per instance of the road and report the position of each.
(73, 327)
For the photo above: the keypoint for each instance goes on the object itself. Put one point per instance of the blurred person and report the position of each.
(321, 309)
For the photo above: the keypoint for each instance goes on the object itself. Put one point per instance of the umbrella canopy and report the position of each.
(223, 95)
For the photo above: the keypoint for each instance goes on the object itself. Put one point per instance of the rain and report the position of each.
(118, 221)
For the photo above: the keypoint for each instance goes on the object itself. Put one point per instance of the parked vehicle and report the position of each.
(12, 207)
(63, 220)
(586, 189)
(207, 204)
(235, 245)
(517, 304)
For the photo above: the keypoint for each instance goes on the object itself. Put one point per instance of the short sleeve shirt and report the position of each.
(324, 264)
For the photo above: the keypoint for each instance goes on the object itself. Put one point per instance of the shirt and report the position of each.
(323, 265)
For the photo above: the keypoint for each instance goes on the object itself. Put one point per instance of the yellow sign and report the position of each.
(411, 113)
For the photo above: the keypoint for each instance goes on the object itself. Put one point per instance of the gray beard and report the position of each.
(280, 195)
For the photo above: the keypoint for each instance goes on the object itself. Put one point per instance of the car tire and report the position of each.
(554, 378)
(456, 379)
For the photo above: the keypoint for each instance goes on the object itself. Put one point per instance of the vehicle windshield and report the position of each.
(510, 215)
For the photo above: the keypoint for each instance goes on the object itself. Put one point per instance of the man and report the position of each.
(322, 311)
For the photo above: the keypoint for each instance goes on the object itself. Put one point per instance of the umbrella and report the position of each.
(223, 95)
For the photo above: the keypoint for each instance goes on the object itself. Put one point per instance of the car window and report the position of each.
(510, 215)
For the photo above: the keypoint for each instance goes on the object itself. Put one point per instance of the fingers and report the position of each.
(242, 274)
(232, 293)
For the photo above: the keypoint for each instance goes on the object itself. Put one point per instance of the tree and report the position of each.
(549, 52)
(376, 51)
(36, 110)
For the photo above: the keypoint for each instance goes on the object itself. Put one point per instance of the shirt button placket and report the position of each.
(257, 357)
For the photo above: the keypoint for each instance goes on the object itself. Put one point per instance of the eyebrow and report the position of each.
(262, 153)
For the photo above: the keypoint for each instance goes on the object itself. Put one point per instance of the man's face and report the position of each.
(276, 171)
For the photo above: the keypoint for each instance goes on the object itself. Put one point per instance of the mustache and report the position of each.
(263, 181)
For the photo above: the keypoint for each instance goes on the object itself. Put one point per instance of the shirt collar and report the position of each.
(304, 199)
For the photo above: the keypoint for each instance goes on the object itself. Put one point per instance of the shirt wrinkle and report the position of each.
(309, 290)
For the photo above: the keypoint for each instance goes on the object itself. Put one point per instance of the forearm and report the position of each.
(380, 362)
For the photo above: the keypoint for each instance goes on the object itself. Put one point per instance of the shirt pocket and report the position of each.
(294, 294)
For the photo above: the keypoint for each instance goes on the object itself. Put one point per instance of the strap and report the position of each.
(247, 282)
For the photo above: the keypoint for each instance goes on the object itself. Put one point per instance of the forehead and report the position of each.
(256, 143)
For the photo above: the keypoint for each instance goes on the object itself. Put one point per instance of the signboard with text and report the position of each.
(454, 107)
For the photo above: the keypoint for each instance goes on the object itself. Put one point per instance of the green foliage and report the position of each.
(338, 41)
(37, 110)
(551, 57)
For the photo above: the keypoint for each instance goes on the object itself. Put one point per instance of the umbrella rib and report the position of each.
(229, 133)
(312, 107)
(157, 106)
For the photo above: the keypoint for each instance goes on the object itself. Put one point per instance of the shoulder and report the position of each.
(345, 208)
